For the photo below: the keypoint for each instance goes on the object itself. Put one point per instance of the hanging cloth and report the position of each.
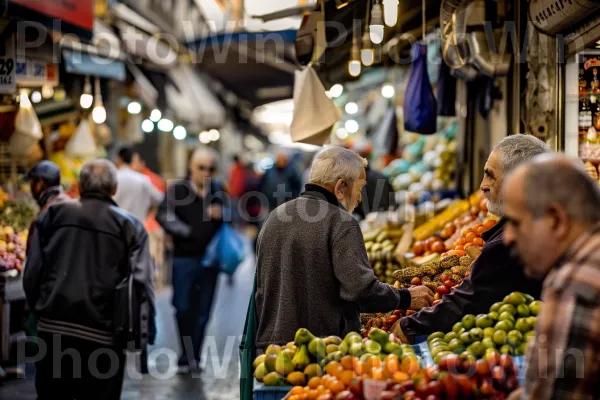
(420, 107)
(446, 92)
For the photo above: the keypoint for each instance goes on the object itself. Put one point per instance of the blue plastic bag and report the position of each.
(420, 106)
(225, 251)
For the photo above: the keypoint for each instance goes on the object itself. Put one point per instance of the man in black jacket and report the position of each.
(496, 272)
(192, 213)
(81, 252)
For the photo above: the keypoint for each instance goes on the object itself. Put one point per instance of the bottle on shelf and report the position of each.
(582, 83)
(585, 116)
(595, 85)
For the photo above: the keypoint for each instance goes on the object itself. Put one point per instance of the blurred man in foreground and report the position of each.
(83, 254)
(312, 266)
(192, 214)
(495, 273)
(552, 209)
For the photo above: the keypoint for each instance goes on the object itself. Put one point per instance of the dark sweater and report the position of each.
(495, 274)
(182, 215)
(313, 272)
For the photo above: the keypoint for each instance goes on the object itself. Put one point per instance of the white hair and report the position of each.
(336, 163)
(205, 152)
(98, 175)
(519, 148)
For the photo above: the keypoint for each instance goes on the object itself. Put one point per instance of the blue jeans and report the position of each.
(193, 293)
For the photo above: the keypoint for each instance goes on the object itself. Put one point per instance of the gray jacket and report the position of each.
(313, 272)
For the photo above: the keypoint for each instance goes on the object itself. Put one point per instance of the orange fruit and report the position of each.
(400, 377)
(297, 390)
(337, 371)
(325, 396)
(294, 397)
(332, 367)
(357, 366)
(312, 394)
(489, 223)
(314, 383)
(377, 373)
(478, 242)
(392, 363)
(346, 377)
(410, 366)
(321, 389)
(470, 237)
(347, 362)
(337, 387)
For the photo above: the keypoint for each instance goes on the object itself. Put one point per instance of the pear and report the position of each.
(260, 372)
(284, 364)
(379, 336)
(333, 340)
(274, 379)
(317, 348)
(301, 360)
(303, 336)
(313, 370)
(273, 350)
(270, 361)
(259, 360)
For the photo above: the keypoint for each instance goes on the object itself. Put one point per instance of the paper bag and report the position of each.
(82, 143)
(315, 114)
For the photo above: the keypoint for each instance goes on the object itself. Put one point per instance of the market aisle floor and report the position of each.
(221, 371)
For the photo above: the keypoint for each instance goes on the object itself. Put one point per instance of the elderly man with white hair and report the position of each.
(312, 267)
(192, 213)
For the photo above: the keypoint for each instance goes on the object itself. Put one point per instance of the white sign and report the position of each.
(8, 79)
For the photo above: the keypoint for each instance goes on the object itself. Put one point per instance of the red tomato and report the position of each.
(444, 277)
(442, 290)
(419, 248)
(449, 283)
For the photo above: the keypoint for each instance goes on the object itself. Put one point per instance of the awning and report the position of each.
(256, 66)
(89, 64)
(192, 101)
(147, 47)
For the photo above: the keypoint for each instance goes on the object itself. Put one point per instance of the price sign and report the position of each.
(8, 78)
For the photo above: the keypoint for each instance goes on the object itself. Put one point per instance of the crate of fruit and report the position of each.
(263, 392)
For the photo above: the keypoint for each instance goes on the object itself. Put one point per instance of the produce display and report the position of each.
(308, 356)
(427, 163)
(380, 245)
(381, 321)
(507, 328)
(15, 218)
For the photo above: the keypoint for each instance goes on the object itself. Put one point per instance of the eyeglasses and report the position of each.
(205, 168)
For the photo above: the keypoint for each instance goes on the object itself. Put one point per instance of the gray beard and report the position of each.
(495, 208)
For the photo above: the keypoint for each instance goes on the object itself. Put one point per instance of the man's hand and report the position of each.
(397, 331)
(215, 212)
(420, 297)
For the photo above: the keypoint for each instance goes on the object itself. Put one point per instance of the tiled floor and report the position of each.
(221, 367)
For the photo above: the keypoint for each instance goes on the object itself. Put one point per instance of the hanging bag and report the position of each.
(420, 106)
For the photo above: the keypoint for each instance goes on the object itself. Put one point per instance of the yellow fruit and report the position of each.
(260, 372)
(2, 245)
(296, 379)
(313, 371)
(259, 360)
(8, 230)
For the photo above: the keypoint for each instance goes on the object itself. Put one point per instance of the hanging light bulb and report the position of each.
(354, 65)
(147, 126)
(376, 25)
(134, 108)
(179, 132)
(86, 100)
(341, 133)
(390, 12)
(155, 115)
(99, 112)
(351, 126)
(336, 90)
(165, 125)
(351, 108)
(204, 137)
(367, 54)
(214, 135)
(47, 91)
(388, 91)
(36, 97)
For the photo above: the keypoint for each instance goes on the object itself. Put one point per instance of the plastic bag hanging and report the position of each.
(82, 143)
(28, 130)
(420, 106)
(446, 92)
(315, 114)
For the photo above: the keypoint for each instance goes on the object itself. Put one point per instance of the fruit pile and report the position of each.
(507, 328)
(12, 249)
(17, 214)
(396, 378)
(380, 245)
(308, 356)
(381, 321)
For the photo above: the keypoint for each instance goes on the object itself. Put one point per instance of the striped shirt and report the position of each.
(564, 360)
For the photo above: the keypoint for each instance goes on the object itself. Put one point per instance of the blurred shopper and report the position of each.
(135, 193)
(281, 183)
(44, 181)
(237, 178)
(192, 213)
(312, 267)
(552, 209)
(378, 193)
(81, 256)
(496, 272)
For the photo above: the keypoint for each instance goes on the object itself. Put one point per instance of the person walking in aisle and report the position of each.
(82, 254)
(552, 209)
(312, 266)
(135, 192)
(192, 213)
